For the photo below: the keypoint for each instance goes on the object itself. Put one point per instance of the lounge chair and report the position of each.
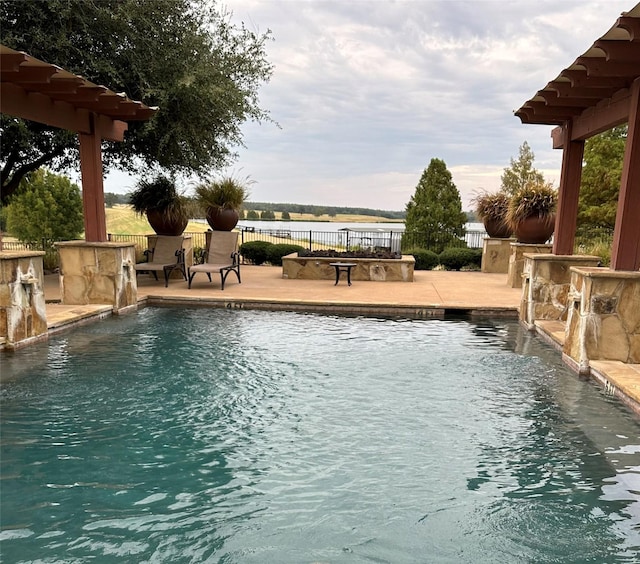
(220, 256)
(166, 256)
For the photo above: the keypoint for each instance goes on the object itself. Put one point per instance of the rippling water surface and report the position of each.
(200, 435)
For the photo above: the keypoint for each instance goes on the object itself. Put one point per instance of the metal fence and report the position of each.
(344, 240)
(396, 241)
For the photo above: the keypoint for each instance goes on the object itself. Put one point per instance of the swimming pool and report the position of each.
(207, 435)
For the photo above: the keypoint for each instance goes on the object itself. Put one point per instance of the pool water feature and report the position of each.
(197, 435)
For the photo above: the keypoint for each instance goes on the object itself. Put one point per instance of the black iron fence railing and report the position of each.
(396, 241)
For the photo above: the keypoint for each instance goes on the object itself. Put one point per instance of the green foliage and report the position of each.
(267, 215)
(457, 258)
(256, 252)
(435, 209)
(492, 206)
(279, 250)
(600, 184)
(228, 193)
(536, 198)
(187, 58)
(521, 172)
(48, 208)
(252, 214)
(425, 259)
(159, 194)
(285, 216)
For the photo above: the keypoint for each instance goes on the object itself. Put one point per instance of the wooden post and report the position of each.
(95, 224)
(625, 254)
(570, 175)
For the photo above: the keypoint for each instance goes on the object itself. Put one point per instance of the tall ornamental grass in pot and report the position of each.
(532, 212)
(222, 199)
(491, 209)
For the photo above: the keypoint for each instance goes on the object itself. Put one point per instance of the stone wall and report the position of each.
(604, 317)
(516, 261)
(98, 273)
(546, 281)
(319, 268)
(23, 316)
(495, 254)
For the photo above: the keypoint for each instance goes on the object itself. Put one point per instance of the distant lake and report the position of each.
(332, 226)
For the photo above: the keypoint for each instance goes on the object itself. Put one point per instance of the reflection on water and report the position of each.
(234, 436)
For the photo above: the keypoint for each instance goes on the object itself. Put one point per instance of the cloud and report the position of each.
(367, 92)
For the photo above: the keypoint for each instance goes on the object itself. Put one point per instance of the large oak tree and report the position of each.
(186, 57)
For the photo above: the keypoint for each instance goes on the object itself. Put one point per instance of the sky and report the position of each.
(366, 92)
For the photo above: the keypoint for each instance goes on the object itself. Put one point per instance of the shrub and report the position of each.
(425, 259)
(255, 252)
(279, 250)
(455, 258)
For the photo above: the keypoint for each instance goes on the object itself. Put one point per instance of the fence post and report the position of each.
(310, 236)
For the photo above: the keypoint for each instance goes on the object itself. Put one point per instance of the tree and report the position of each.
(183, 56)
(600, 184)
(434, 213)
(48, 208)
(267, 214)
(521, 172)
(285, 216)
(252, 214)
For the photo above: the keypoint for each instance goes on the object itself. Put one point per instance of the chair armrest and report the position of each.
(235, 257)
(148, 253)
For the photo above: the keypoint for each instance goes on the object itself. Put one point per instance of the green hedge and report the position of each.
(279, 250)
(256, 252)
(425, 259)
(455, 259)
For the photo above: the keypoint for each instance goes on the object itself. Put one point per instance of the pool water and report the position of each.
(204, 435)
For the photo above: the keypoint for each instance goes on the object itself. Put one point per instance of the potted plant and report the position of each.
(491, 209)
(532, 212)
(222, 199)
(164, 207)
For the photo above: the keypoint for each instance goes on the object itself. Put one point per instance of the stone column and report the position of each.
(546, 281)
(98, 273)
(495, 254)
(516, 261)
(23, 315)
(604, 317)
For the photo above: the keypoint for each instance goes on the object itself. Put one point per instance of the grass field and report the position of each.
(122, 220)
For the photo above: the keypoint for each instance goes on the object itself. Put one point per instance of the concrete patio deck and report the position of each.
(431, 294)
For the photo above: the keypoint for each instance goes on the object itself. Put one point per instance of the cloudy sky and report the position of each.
(367, 92)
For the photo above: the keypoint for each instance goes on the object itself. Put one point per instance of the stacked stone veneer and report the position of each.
(319, 268)
(604, 318)
(98, 273)
(23, 316)
(495, 254)
(546, 282)
(516, 261)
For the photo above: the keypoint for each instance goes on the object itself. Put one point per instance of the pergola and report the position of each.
(34, 90)
(599, 90)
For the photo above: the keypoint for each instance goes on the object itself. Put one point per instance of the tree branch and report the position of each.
(11, 184)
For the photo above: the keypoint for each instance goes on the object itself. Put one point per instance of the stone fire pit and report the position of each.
(317, 266)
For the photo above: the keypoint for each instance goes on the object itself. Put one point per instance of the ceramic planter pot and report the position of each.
(164, 225)
(535, 230)
(496, 228)
(221, 219)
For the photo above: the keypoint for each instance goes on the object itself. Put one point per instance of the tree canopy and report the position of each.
(600, 184)
(520, 172)
(185, 57)
(436, 208)
(47, 209)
